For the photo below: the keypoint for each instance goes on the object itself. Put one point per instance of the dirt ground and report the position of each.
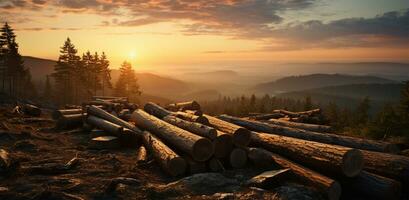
(41, 153)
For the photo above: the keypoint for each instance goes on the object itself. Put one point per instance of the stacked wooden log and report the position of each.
(183, 140)
(310, 116)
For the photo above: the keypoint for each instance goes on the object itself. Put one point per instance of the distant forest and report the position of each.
(392, 120)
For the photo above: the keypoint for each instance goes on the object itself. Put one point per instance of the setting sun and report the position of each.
(132, 55)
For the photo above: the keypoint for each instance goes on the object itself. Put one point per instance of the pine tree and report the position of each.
(65, 74)
(12, 61)
(127, 84)
(105, 73)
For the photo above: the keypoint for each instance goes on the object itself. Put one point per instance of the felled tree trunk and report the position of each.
(241, 136)
(373, 186)
(190, 105)
(194, 112)
(192, 117)
(238, 158)
(93, 110)
(223, 144)
(156, 110)
(198, 147)
(312, 136)
(389, 165)
(304, 126)
(328, 186)
(298, 114)
(325, 158)
(267, 116)
(70, 121)
(105, 125)
(193, 127)
(58, 113)
(166, 157)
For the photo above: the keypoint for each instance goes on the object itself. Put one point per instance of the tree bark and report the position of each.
(105, 125)
(327, 186)
(58, 113)
(193, 127)
(388, 165)
(98, 112)
(241, 136)
(198, 147)
(192, 118)
(325, 158)
(190, 105)
(373, 186)
(238, 158)
(304, 126)
(166, 157)
(156, 110)
(312, 136)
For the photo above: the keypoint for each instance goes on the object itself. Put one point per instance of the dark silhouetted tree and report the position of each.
(105, 73)
(127, 84)
(65, 71)
(12, 62)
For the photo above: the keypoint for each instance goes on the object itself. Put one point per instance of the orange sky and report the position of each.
(158, 34)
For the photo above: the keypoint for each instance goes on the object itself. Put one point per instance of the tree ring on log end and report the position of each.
(202, 149)
(238, 158)
(177, 166)
(241, 137)
(223, 145)
(352, 163)
(334, 191)
(202, 120)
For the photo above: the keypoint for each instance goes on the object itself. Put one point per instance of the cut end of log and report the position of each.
(202, 120)
(223, 145)
(202, 149)
(241, 137)
(238, 158)
(352, 163)
(177, 166)
(334, 191)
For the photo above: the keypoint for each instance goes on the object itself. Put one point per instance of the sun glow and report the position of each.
(132, 55)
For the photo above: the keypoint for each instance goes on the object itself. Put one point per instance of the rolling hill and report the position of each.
(304, 82)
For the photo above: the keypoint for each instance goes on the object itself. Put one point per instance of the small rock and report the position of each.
(3, 189)
(224, 196)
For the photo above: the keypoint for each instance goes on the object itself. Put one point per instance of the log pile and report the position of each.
(183, 140)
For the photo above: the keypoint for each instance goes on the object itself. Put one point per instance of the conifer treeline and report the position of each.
(78, 78)
(15, 78)
(391, 120)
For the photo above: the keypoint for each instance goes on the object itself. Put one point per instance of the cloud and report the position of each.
(388, 29)
(260, 20)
